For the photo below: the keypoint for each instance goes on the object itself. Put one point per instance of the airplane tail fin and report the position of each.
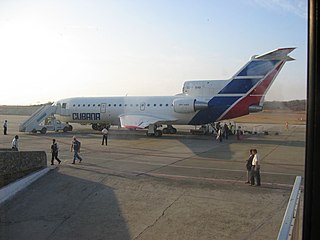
(250, 84)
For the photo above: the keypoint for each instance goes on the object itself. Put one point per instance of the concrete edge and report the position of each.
(13, 188)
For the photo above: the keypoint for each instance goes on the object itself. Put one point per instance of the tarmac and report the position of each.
(174, 187)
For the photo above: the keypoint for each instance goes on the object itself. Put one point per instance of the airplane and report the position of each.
(201, 101)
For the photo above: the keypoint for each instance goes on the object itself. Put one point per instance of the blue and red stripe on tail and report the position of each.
(246, 89)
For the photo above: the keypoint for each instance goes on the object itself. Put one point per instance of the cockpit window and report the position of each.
(64, 105)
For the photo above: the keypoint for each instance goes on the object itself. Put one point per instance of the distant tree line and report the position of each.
(294, 105)
(20, 110)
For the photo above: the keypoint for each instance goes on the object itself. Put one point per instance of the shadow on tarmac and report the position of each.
(201, 146)
(58, 206)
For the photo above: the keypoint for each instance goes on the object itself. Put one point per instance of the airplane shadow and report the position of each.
(59, 206)
(208, 147)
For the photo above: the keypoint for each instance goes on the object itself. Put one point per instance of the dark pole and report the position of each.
(311, 215)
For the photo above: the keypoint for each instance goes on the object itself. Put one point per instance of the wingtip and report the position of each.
(288, 49)
(279, 54)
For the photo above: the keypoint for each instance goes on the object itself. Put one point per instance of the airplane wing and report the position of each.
(142, 121)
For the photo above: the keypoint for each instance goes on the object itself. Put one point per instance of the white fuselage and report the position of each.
(108, 109)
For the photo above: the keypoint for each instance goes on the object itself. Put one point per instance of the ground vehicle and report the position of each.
(43, 120)
(52, 124)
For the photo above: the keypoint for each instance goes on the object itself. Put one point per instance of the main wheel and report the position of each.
(173, 130)
(158, 133)
(165, 131)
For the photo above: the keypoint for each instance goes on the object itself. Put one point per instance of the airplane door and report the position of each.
(64, 111)
(103, 108)
(142, 106)
(105, 112)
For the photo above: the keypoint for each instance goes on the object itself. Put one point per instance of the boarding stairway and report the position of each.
(37, 117)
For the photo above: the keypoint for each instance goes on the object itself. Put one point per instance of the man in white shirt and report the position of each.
(255, 175)
(105, 136)
(14, 144)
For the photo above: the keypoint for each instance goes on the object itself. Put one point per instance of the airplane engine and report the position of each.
(188, 105)
(255, 108)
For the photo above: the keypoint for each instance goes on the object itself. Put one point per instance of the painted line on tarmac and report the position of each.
(103, 170)
(202, 168)
(215, 179)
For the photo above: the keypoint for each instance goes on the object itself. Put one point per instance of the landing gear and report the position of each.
(99, 127)
(157, 133)
(153, 131)
(169, 130)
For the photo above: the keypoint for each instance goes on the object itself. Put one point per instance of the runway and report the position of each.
(174, 187)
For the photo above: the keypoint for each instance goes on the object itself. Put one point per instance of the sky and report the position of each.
(54, 49)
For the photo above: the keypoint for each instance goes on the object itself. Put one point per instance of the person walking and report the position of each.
(14, 144)
(54, 152)
(219, 135)
(238, 133)
(105, 136)
(249, 165)
(287, 126)
(5, 127)
(75, 147)
(226, 131)
(255, 177)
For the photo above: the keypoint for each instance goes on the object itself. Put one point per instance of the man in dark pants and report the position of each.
(5, 127)
(255, 177)
(226, 131)
(54, 152)
(75, 147)
(249, 167)
(105, 136)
